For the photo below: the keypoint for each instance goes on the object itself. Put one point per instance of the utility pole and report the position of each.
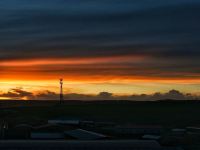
(61, 91)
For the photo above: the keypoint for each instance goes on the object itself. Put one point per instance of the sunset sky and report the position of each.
(123, 47)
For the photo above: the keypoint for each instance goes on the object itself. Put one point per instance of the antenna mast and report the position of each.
(61, 91)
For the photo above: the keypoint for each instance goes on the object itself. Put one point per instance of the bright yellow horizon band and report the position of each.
(126, 86)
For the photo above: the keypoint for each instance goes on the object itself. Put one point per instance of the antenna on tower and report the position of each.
(61, 90)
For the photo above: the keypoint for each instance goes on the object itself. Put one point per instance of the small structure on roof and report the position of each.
(81, 134)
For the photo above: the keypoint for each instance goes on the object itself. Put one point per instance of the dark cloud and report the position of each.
(46, 95)
(104, 95)
(162, 30)
(57, 29)
(17, 93)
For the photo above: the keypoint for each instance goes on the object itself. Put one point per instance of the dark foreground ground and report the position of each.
(164, 113)
(168, 114)
(81, 145)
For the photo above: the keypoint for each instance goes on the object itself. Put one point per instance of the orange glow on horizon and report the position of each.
(93, 75)
(98, 78)
(5, 98)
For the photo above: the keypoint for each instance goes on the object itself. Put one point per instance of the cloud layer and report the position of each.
(35, 29)
(32, 29)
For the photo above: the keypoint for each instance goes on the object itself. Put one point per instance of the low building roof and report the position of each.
(64, 121)
(178, 130)
(153, 137)
(140, 126)
(53, 128)
(45, 135)
(196, 128)
(23, 126)
(84, 134)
